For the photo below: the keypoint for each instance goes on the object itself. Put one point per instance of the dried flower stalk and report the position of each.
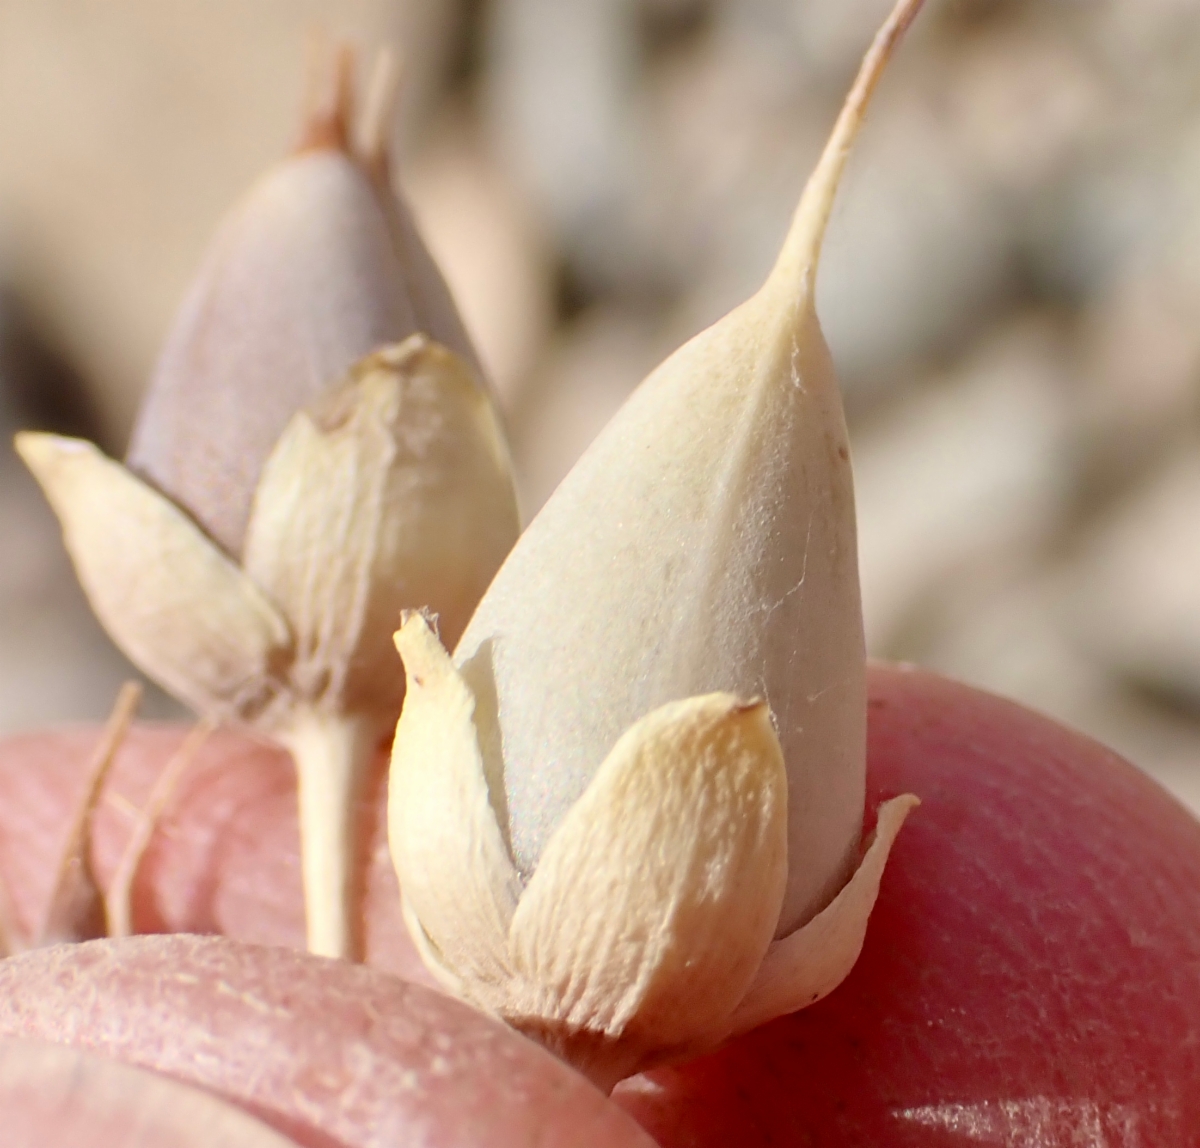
(118, 900)
(76, 908)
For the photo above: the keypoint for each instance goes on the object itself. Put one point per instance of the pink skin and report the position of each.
(1030, 973)
(331, 1054)
(51, 1095)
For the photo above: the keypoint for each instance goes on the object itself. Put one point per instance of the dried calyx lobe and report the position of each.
(318, 266)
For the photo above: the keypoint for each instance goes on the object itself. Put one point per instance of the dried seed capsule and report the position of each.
(309, 476)
(317, 266)
(623, 832)
(705, 541)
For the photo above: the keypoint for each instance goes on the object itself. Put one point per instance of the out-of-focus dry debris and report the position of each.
(1011, 284)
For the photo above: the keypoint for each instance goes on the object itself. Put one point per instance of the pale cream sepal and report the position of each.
(650, 912)
(801, 968)
(391, 491)
(169, 597)
(458, 880)
(652, 906)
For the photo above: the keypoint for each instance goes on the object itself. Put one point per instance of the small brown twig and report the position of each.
(76, 908)
(12, 940)
(119, 899)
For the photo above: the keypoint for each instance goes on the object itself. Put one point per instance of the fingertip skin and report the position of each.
(1031, 973)
(52, 1095)
(330, 1054)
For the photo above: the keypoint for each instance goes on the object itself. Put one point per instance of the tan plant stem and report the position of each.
(76, 909)
(12, 939)
(118, 902)
(332, 754)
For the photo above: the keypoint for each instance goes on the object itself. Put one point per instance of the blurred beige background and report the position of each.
(1011, 287)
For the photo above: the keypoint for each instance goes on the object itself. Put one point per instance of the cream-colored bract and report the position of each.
(801, 968)
(445, 838)
(655, 899)
(176, 604)
(645, 933)
(392, 491)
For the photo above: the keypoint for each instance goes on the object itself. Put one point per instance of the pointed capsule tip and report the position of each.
(329, 99)
(329, 120)
(379, 112)
(802, 247)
